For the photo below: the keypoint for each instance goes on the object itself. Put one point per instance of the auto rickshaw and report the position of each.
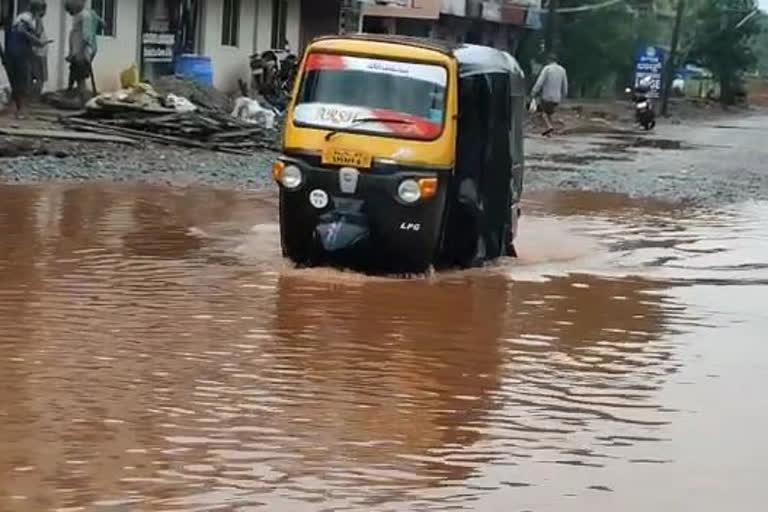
(401, 153)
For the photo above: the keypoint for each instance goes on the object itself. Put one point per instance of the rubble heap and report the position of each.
(203, 95)
(200, 120)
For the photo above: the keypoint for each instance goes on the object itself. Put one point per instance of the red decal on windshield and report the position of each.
(324, 61)
(415, 126)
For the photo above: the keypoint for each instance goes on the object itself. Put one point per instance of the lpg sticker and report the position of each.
(409, 226)
(318, 198)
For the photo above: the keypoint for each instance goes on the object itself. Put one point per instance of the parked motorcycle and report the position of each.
(272, 75)
(645, 115)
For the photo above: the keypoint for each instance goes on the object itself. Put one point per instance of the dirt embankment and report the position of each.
(578, 117)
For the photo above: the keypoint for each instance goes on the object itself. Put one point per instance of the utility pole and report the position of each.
(549, 41)
(360, 16)
(669, 70)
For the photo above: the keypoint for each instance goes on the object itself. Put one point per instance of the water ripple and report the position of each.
(163, 358)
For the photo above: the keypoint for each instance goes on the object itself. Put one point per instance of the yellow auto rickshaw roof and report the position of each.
(393, 47)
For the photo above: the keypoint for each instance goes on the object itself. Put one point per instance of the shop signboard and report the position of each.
(649, 63)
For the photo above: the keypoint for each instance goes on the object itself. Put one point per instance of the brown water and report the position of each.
(156, 354)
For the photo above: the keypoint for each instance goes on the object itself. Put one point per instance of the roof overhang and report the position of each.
(417, 9)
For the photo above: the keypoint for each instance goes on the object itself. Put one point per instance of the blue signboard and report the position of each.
(533, 19)
(649, 62)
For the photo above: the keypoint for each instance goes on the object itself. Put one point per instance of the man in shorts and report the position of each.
(82, 44)
(551, 88)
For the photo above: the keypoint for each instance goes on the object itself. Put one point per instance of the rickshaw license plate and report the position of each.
(346, 157)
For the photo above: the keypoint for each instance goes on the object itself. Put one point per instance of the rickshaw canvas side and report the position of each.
(481, 223)
(466, 222)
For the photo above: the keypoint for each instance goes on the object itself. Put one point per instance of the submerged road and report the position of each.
(157, 354)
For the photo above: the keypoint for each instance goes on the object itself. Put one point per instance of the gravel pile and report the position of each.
(64, 161)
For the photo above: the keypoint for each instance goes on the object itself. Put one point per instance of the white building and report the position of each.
(147, 32)
(497, 23)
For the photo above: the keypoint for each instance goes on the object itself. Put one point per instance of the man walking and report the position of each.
(82, 44)
(551, 87)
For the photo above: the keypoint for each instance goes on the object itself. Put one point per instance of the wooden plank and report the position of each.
(93, 126)
(235, 142)
(238, 133)
(65, 134)
(119, 106)
(142, 120)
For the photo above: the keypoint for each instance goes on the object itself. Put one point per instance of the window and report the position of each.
(230, 28)
(401, 99)
(279, 22)
(106, 11)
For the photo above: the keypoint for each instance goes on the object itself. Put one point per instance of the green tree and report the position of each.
(723, 45)
(596, 46)
(760, 45)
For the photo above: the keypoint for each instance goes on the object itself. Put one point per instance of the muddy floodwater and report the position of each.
(157, 354)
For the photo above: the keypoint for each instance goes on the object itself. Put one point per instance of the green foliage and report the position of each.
(528, 51)
(596, 46)
(760, 45)
(718, 45)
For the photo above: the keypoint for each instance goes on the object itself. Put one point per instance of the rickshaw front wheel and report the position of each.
(296, 247)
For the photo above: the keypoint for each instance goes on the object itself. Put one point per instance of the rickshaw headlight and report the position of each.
(409, 191)
(291, 177)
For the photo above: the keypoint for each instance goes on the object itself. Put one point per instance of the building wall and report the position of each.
(293, 28)
(115, 53)
(3, 77)
(423, 9)
(230, 63)
(318, 19)
(55, 28)
(119, 52)
(451, 28)
(58, 68)
(263, 24)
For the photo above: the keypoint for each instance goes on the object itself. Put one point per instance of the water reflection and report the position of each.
(156, 354)
(409, 366)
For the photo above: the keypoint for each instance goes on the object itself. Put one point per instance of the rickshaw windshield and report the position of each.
(360, 94)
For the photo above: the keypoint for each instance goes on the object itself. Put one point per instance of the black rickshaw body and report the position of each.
(337, 208)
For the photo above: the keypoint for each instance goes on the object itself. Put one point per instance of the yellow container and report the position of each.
(129, 77)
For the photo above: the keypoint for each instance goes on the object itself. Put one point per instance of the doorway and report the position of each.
(169, 28)
(318, 19)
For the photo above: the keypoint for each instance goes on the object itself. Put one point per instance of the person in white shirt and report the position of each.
(551, 88)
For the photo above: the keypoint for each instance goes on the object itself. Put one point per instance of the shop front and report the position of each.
(170, 28)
